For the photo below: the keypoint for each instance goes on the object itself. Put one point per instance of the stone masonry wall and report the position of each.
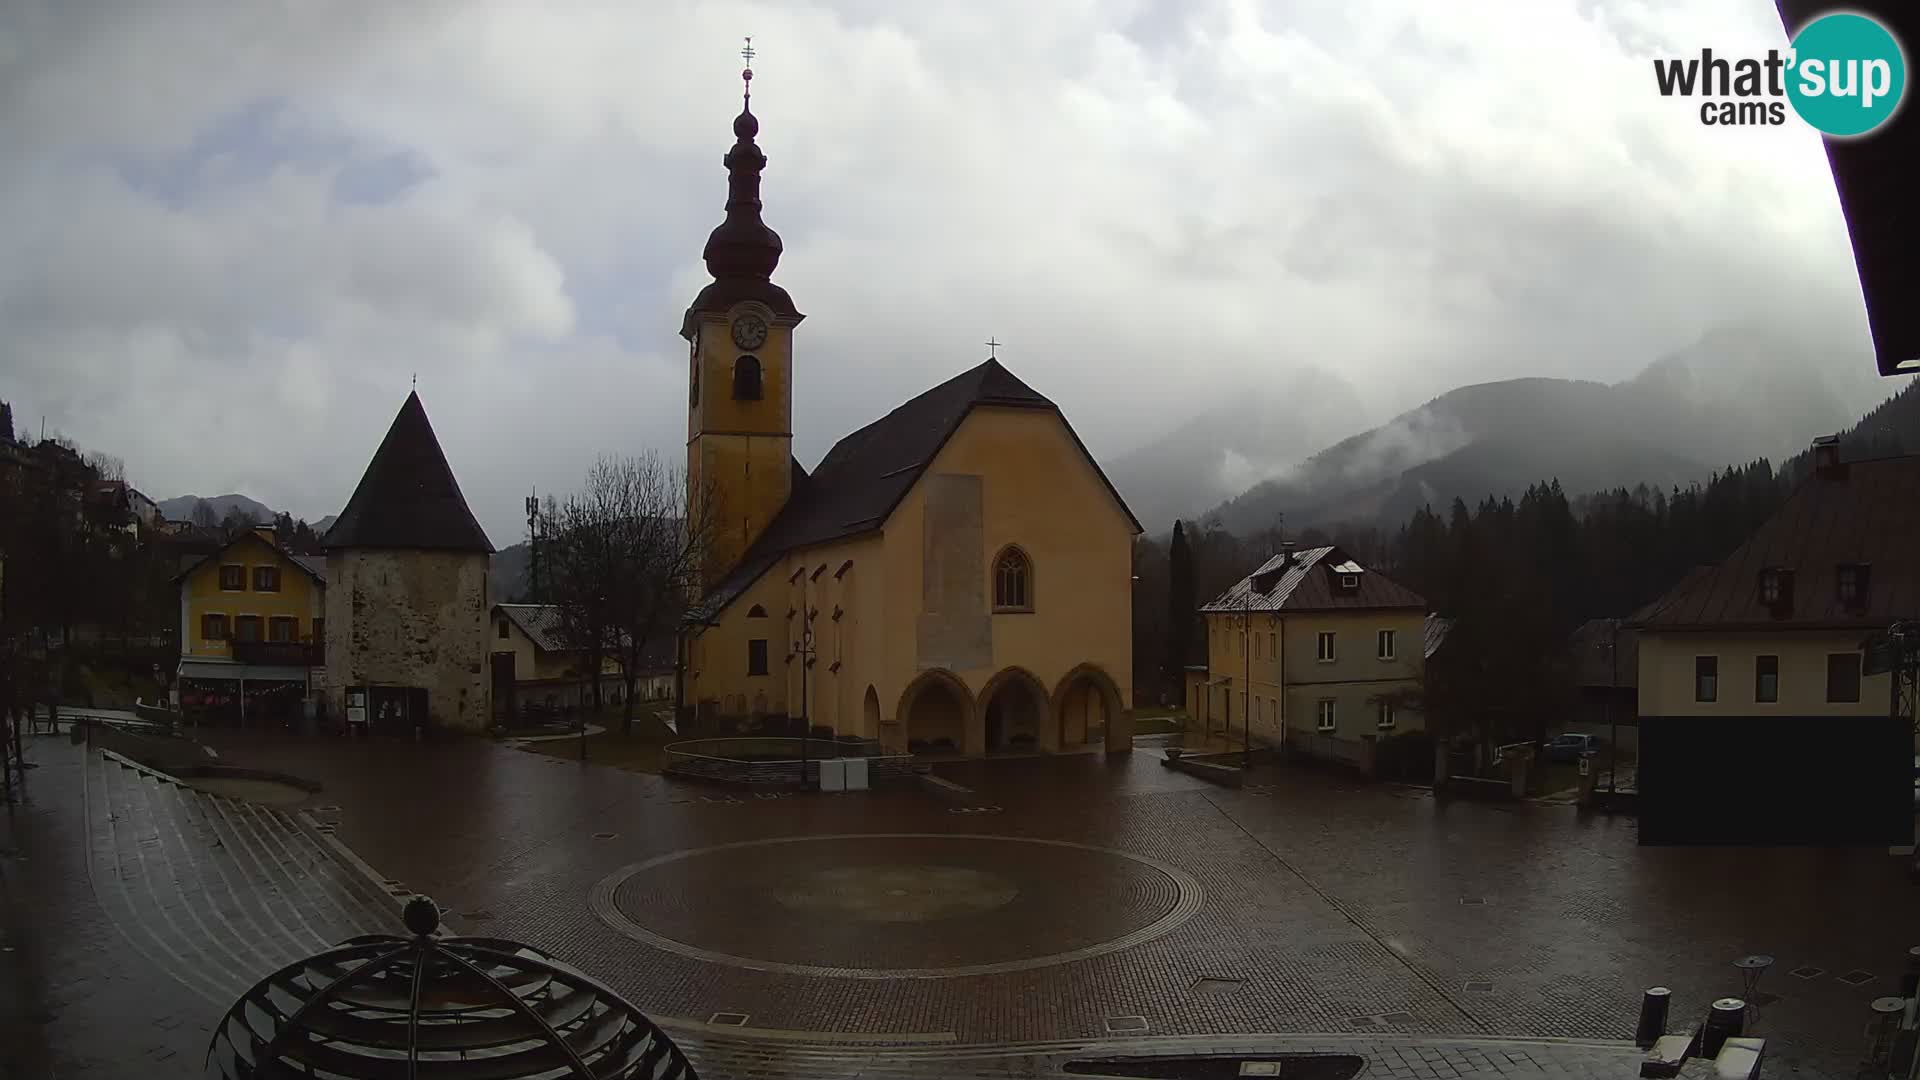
(410, 618)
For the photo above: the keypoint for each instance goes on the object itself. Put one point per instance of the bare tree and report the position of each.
(622, 559)
(106, 466)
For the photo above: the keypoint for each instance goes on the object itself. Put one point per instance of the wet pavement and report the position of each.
(1025, 913)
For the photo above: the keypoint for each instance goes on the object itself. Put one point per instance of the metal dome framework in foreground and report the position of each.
(383, 1006)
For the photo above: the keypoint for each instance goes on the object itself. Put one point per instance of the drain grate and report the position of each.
(1126, 1023)
(1473, 901)
(604, 835)
(728, 1019)
(1397, 1018)
(1363, 1021)
(1210, 984)
(1807, 971)
(1479, 986)
(477, 916)
(1856, 977)
(1259, 1068)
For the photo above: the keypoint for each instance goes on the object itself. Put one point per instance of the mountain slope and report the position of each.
(180, 508)
(1737, 394)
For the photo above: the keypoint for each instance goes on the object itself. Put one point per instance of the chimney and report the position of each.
(1826, 456)
(264, 532)
(1286, 553)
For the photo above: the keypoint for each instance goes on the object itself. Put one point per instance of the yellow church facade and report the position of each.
(955, 577)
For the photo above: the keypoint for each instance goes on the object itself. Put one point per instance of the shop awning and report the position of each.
(213, 669)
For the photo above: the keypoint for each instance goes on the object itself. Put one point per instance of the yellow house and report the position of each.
(1311, 651)
(526, 651)
(1778, 628)
(1760, 669)
(252, 620)
(953, 577)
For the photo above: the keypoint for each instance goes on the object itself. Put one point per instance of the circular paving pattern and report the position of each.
(896, 905)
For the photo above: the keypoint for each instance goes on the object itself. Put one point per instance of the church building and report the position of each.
(955, 577)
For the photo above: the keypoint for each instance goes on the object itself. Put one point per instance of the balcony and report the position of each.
(280, 653)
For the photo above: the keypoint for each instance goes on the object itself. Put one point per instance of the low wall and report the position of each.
(776, 761)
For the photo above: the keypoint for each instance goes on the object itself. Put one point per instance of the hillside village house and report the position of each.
(534, 666)
(955, 576)
(1755, 669)
(1310, 651)
(407, 569)
(252, 620)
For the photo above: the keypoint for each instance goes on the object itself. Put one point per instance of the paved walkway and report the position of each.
(1436, 939)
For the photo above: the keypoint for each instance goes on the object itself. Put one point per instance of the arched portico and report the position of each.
(937, 712)
(1015, 713)
(1087, 701)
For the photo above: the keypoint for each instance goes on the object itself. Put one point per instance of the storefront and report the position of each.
(244, 695)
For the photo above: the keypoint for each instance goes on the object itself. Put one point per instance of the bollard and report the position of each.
(1724, 1021)
(1910, 982)
(1653, 1016)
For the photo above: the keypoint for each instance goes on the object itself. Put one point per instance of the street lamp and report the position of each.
(1613, 722)
(804, 650)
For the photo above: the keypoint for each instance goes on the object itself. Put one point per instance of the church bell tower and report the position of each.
(739, 333)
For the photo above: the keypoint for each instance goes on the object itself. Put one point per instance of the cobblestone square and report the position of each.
(1023, 914)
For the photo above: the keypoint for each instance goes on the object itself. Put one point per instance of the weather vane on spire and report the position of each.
(746, 75)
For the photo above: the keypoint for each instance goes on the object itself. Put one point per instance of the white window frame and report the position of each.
(1384, 718)
(1384, 644)
(1324, 648)
(1327, 716)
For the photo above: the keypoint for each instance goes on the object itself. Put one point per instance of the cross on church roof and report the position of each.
(746, 74)
(993, 348)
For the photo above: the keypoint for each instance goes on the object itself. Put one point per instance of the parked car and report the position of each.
(1569, 746)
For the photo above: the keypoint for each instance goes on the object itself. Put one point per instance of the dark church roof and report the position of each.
(1859, 514)
(865, 475)
(1874, 177)
(408, 497)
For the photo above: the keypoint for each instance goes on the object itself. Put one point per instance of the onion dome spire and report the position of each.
(743, 246)
(742, 252)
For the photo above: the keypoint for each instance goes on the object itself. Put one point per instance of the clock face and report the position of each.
(749, 331)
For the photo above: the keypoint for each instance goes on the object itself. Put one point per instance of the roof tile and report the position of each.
(1862, 512)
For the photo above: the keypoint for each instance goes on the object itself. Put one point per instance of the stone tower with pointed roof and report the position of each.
(407, 591)
(955, 577)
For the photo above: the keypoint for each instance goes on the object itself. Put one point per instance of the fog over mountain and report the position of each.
(1265, 428)
(1736, 394)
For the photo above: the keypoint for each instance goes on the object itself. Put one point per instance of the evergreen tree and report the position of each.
(1183, 606)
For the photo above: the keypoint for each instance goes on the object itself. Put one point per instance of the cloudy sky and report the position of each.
(235, 231)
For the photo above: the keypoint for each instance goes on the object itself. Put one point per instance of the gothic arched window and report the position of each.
(1012, 580)
(746, 379)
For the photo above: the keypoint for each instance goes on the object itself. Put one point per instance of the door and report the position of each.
(503, 677)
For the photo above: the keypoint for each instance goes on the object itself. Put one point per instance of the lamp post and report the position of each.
(804, 650)
(1613, 723)
(1246, 695)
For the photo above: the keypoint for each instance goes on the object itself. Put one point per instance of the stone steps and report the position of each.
(217, 892)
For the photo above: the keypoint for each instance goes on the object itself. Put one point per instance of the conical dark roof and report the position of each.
(408, 497)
